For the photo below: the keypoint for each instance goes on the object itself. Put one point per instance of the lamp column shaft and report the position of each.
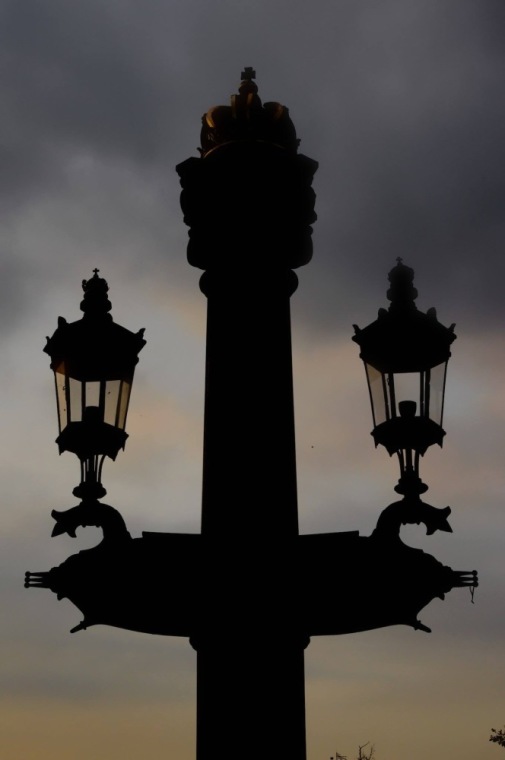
(250, 649)
(249, 468)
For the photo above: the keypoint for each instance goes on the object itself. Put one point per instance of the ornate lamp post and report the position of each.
(253, 591)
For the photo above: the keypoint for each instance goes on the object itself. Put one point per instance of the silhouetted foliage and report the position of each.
(363, 754)
(498, 737)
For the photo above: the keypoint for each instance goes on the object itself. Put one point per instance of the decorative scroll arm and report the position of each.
(91, 513)
(411, 510)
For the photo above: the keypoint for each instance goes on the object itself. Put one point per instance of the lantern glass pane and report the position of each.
(436, 391)
(378, 398)
(406, 386)
(123, 404)
(61, 399)
(111, 401)
(92, 394)
(75, 395)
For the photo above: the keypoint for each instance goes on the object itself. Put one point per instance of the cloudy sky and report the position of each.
(401, 102)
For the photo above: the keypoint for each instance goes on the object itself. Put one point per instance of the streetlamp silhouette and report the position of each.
(93, 360)
(405, 353)
(249, 591)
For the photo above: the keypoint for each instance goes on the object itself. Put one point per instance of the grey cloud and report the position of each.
(401, 103)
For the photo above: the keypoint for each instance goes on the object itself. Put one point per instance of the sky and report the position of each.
(401, 103)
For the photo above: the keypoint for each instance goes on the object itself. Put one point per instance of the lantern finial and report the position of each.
(95, 302)
(402, 292)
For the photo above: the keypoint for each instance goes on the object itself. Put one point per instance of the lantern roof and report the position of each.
(403, 338)
(248, 119)
(94, 347)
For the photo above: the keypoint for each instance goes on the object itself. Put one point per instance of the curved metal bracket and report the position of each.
(411, 510)
(91, 513)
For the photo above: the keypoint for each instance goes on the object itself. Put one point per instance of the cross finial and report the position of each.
(95, 272)
(399, 260)
(248, 74)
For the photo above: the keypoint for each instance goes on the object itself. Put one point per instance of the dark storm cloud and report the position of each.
(415, 167)
(74, 77)
(400, 102)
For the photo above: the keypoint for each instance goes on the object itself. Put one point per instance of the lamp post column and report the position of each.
(250, 661)
(248, 202)
(249, 466)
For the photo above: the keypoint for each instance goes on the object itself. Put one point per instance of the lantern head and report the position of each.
(93, 360)
(405, 353)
